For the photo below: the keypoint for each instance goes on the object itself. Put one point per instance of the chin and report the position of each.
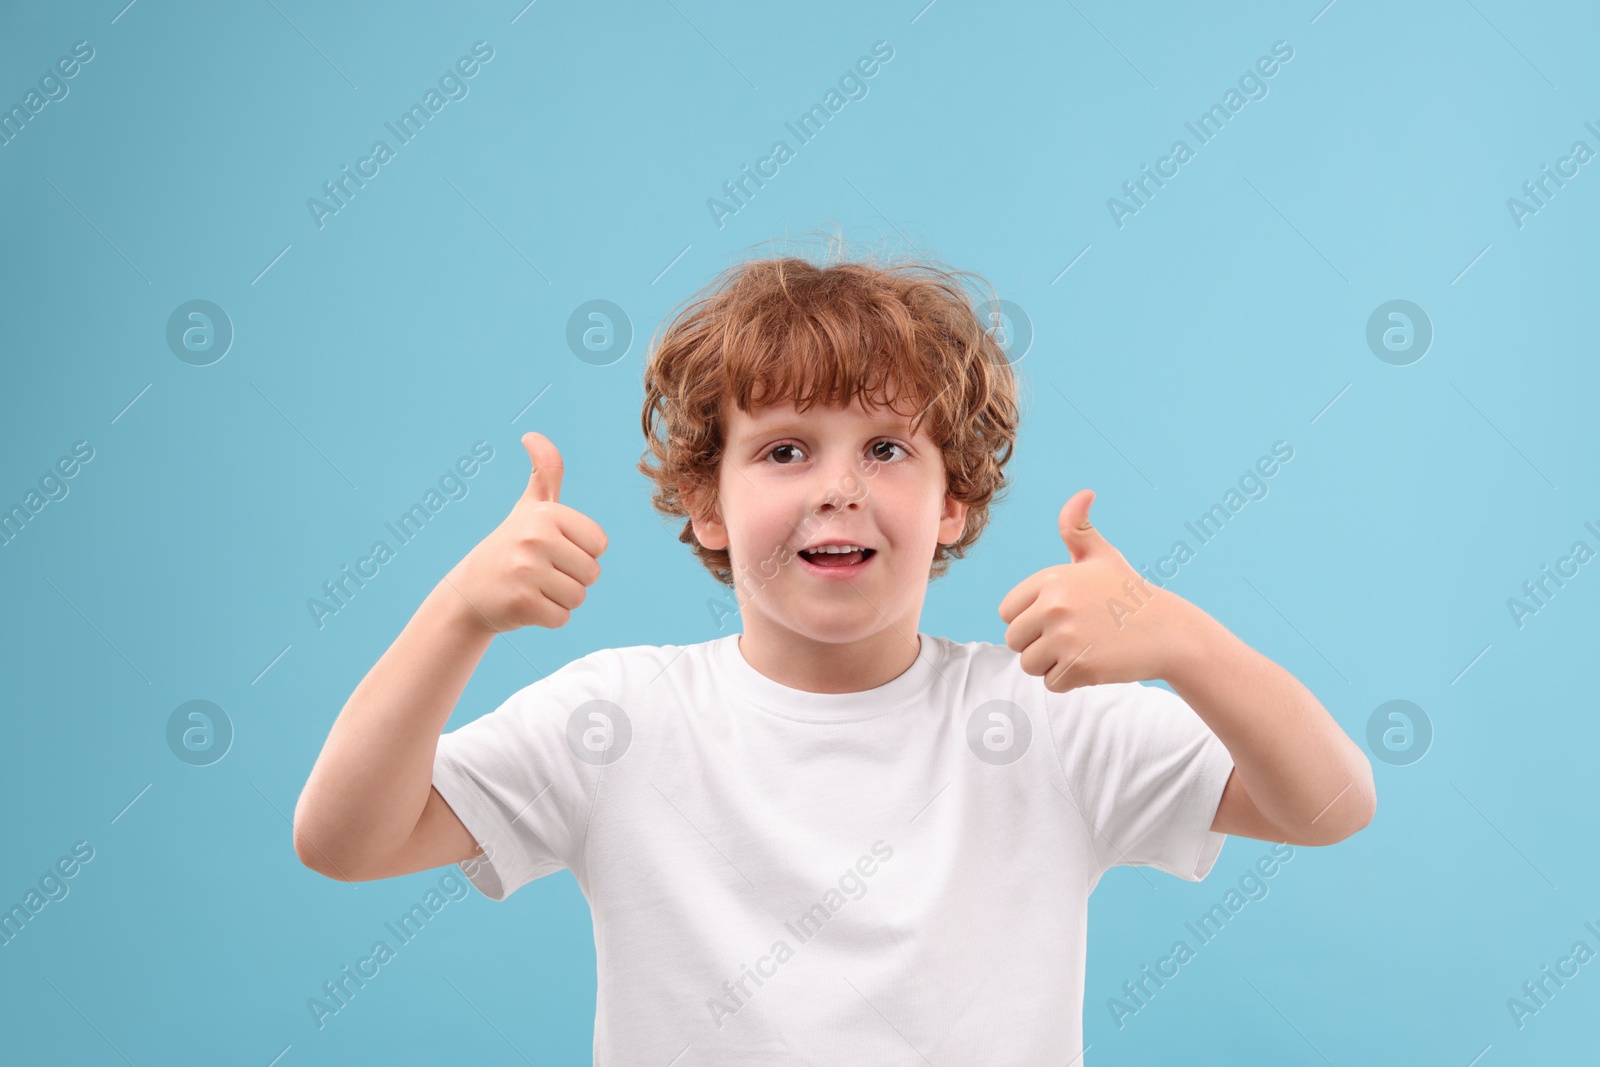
(834, 631)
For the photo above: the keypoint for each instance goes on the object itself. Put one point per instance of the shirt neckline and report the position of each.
(798, 704)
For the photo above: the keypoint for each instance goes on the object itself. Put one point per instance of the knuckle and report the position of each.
(529, 544)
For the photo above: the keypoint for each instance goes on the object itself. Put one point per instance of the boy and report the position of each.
(831, 838)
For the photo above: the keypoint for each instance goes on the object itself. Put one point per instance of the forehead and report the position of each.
(784, 416)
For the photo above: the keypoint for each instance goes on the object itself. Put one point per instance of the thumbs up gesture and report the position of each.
(533, 569)
(1094, 620)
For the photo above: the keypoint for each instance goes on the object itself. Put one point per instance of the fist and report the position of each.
(534, 568)
(1095, 620)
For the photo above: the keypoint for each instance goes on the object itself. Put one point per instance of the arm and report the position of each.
(1297, 776)
(362, 812)
(369, 809)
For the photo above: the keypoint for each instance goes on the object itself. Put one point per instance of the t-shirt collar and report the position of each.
(803, 706)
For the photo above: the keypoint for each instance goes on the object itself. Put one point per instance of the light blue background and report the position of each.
(1228, 314)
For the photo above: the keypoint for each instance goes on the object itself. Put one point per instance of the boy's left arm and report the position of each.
(1297, 776)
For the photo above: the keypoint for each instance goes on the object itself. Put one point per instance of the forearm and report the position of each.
(368, 787)
(1302, 771)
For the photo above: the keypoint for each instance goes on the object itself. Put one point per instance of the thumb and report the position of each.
(544, 483)
(1077, 533)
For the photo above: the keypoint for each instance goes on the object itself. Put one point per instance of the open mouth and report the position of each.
(841, 561)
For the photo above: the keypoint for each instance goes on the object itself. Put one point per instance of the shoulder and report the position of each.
(982, 657)
(634, 655)
(615, 675)
(981, 678)
(645, 655)
(989, 665)
(983, 670)
(633, 668)
(982, 667)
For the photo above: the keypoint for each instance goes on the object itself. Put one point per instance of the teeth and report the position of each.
(837, 548)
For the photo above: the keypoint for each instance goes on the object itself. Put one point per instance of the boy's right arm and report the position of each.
(369, 809)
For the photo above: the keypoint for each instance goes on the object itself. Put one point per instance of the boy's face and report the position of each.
(790, 481)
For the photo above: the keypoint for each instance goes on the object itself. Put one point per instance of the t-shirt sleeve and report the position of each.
(516, 783)
(1146, 773)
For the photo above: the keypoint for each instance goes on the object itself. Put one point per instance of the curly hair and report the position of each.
(777, 329)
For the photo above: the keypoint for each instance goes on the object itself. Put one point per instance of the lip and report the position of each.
(837, 573)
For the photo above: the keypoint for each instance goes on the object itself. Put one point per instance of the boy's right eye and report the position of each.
(779, 448)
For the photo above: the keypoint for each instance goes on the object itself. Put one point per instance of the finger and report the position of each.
(544, 482)
(1024, 594)
(574, 561)
(1077, 533)
(1024, 630)
(563, 590)
(1041, 661)
(582, 531)
(1059, 672)
(1059, 681)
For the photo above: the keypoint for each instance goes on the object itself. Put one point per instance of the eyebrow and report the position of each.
(792, 425)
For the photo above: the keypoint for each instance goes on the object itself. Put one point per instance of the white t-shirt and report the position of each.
(777, 876)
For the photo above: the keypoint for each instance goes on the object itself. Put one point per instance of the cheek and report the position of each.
(911, 515)
(758, 532)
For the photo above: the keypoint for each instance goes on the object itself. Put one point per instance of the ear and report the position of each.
(708, 529)
(952, 520)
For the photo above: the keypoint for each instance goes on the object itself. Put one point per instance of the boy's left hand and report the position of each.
(1095, 620)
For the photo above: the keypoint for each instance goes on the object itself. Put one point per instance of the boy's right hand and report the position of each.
(533, 568)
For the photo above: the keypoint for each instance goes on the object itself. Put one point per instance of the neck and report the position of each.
(813, 666)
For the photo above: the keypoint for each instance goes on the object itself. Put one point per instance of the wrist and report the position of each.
(454, 608)
(1194, 642)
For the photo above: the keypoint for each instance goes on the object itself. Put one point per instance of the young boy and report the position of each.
(832, 838)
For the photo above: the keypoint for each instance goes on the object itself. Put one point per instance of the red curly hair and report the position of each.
(785, 329)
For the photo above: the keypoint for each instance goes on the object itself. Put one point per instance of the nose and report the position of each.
(838, 484)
